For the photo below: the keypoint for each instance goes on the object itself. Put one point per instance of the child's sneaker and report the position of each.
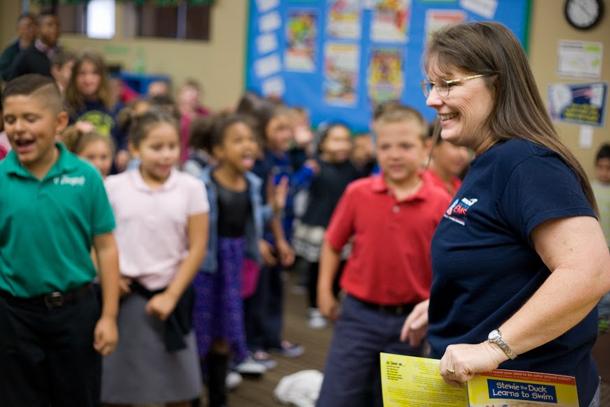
(290, 350)
(233, 380)
(264, 359)
(316, 320)
(250, 367)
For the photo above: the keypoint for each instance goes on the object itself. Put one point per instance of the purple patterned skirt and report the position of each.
(218, 313)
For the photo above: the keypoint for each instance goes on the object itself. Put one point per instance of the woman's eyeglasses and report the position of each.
(443, 87)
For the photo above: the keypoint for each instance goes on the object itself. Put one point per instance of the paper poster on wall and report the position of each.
(580, 59)
(385, 75)
(266, 43)
(343, 19)
(301, 33)
(274, 87)
(341, 74)
(438, 19)
(269, 22)
(391, 20)
(579, 103)
(267, 66)
(484, 8)
(266, 5)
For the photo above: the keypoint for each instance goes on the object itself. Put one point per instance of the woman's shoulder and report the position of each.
(511, 153)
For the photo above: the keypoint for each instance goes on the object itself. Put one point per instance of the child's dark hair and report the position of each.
(62, 57)
(76, 140)
(209, 132)
(165, 103)
(323, 132)
(141, 125)
(27, 15)
(603, 152)
(35, 84)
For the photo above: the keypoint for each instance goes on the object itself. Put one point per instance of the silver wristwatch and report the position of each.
(495, 337)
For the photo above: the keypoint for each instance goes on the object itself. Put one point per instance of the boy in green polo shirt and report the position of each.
(53, 209)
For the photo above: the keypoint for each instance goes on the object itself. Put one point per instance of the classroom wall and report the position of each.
(219, 64)
(9, 12)
(548, 26)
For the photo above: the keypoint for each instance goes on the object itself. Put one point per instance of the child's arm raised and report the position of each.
(162, 305)
(106, 332)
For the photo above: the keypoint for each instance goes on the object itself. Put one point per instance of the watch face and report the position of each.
(583, 14)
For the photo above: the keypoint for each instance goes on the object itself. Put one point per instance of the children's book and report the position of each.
(408, 381)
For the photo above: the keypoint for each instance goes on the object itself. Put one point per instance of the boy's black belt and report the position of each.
(55, 299)
(400, 309)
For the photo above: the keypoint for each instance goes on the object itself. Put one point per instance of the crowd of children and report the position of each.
(199, 217)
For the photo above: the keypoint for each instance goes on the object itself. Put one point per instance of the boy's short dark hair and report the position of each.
(26, 15)
(35, 84)
(47, 13)
(603, 153)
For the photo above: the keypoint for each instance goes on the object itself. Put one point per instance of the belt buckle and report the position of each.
(54, 300)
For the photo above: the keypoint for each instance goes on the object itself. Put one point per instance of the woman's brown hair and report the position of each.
(492, 50)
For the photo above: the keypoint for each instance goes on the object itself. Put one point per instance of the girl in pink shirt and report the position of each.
(162, 221)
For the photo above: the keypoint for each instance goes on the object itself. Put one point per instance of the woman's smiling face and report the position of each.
(464, 111)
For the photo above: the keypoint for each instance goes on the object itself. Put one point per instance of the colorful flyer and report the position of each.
(341, 74)
(582, 103)
(300, 41)
(521, 389)
(408, 381)
(343, 19)
(391, 20)
(385, 74)
(439, 19)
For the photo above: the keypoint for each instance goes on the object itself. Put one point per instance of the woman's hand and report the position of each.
(416, 324)
(461, 362)
(161, 305)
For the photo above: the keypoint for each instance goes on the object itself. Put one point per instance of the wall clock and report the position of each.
(583, 14)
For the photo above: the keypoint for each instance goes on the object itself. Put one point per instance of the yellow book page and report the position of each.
(512, 388)
(407, 381)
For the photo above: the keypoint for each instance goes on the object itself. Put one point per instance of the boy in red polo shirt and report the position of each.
(391, 219)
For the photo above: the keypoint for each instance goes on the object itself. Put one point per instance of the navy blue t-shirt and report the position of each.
(484, 264)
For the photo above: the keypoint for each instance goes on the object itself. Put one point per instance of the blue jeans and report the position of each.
(352, 375)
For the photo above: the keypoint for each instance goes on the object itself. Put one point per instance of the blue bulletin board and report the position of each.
(337, 58)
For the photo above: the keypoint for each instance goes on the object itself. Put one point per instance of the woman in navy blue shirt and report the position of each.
(519, 259)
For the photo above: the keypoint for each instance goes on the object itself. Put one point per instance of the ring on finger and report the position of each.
(451, 371)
